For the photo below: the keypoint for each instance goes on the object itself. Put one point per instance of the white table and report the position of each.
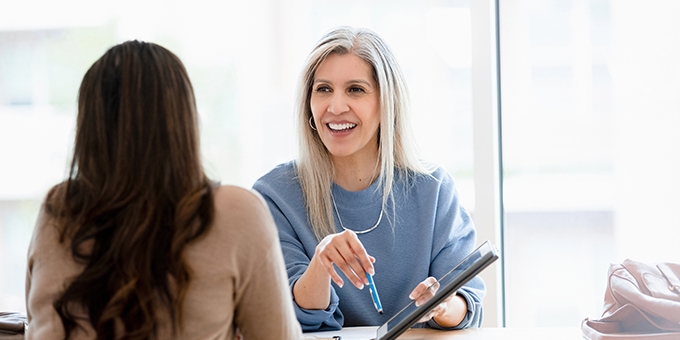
(366, 333)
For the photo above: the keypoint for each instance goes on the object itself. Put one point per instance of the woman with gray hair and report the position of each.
(359, 199)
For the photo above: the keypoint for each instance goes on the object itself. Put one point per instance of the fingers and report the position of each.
(448, 298)
(424, 290)
(427, 316)
(345, 251)
(359, 254)
(440, 309)
(327, 263)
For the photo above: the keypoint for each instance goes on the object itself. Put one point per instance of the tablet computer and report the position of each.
(463, 272)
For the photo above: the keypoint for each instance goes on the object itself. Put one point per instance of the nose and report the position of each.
(338, 104)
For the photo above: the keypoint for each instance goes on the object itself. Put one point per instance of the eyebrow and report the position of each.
(349, 82)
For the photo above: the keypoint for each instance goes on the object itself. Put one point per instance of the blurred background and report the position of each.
(589, 109)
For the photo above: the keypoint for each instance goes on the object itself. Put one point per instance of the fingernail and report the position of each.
(371, 271)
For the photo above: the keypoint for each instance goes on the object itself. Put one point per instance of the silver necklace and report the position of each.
(361, 231)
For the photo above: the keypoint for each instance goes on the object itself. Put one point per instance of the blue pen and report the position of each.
(374, 294)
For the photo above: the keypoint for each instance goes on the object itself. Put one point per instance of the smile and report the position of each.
(341, 127)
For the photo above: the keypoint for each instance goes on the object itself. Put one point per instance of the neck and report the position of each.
(354, 175)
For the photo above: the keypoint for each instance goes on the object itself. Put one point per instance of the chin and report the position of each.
(335, 152)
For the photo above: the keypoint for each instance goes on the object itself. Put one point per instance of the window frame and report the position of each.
(487, 148)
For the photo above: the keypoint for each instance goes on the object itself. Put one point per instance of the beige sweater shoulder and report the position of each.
(239, 279)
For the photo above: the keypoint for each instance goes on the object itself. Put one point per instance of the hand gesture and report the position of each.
(345, 251)
(449, 313)
(423, 292)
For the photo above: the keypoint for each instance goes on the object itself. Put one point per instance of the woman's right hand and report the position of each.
(348, 254)
(345, 251)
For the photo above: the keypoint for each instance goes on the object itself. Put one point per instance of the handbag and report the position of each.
(642, 301)
(12, 325)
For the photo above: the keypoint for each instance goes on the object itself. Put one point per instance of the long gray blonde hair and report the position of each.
(396, 151)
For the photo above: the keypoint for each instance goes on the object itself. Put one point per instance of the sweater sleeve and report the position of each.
(43, 320)
(48, 271)
(295, 236)
(266, 296)
(454, 239)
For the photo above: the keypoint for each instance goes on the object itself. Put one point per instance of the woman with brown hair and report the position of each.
(138, 243)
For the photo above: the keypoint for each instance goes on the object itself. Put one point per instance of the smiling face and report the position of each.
(345, 103)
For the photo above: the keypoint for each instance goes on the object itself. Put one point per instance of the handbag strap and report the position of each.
(598, 330)
(670, 275)
(12, 323)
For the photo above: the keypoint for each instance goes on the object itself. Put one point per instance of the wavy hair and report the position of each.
(396, 149)
(136, 194)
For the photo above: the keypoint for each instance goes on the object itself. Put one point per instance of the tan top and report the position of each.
(239, 279)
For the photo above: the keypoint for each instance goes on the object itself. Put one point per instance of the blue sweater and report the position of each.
(428, 235)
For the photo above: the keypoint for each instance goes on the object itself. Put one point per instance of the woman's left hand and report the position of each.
(449, 313)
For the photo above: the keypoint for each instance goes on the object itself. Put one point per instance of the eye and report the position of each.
(322, 88)
(356, 89)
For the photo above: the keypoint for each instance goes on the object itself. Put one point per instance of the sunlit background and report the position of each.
(244, 59)
(591, 144)
(589, 104)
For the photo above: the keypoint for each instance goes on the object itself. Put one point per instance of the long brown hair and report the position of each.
(136, 193)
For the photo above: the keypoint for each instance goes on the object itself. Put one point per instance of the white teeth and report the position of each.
(339, 127)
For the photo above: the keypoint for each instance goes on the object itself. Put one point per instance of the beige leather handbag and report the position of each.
(12, 325)
(642, 301)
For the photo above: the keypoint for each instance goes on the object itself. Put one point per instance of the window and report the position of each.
(243, 57)
(591, 122)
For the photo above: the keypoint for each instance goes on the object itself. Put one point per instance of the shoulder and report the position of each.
(282, 179)
(233, 194)
(232, 199)
(45, 239)
(440, 174)
(242, 231)
(47, 230)
(437, 185)
(285, 170)
(239, 209)
(50, 265)
(437, 177)
(53, 202)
